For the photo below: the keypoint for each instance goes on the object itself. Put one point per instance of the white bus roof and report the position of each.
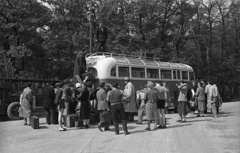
(122, 59)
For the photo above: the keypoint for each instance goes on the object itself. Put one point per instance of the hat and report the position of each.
(78, 85)
(126, 78)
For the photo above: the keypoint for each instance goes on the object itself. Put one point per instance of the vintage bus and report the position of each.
(109, 67)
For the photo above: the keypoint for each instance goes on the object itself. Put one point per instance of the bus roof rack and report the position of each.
(143, 55)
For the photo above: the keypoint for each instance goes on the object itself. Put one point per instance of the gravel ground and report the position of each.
(197, 135)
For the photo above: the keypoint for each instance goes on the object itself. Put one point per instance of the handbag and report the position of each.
(105, 117)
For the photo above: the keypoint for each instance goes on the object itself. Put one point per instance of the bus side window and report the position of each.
(166, 74)
(113, 72)
(123, 71)
(191, 74)
(138, 72)
(153, 73)
(176, 74)
(94, 71)
(185, 75)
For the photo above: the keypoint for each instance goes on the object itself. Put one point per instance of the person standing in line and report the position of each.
(26, 104)
(80, 66)
(102, 105)
(204, 86)
(59, 101)
(129, 99)
(140, 98)
(200, 99)
(48, 103)
(182, 99)
(150, 99)
(101, 37)
(214, 96)
(161, 104)
(194, 90)
(208, 92)
(67, 94)
(83, 97)
(114, 96)
(167, 96)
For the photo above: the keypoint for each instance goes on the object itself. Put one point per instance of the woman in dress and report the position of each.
(150, 99)
(26, 104)
(83, 97)
(200, 99)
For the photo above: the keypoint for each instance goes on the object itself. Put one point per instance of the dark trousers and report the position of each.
(106, 124)
(101, 46)
(50, 115)
(119, 113)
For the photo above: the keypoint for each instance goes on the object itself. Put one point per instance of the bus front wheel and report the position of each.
(12, 111)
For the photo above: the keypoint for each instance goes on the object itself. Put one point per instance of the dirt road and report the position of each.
(197, 135)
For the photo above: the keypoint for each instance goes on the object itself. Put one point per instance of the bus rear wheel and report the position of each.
(12, 111)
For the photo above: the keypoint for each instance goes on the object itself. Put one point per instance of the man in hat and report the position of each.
(130, 105)
(101, 37)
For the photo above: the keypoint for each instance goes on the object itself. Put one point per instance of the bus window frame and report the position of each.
(139, 68)
(129, 71)
(190, 76)
(176, 72)
(146, 74)
(167, 78)
(116, 69)
(187, 75)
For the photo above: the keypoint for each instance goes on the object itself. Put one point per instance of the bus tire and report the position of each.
(12, 111)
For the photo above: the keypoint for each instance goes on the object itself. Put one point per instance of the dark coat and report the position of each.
(48, 97)
(80, 65)
(101, 34)
(58, 95)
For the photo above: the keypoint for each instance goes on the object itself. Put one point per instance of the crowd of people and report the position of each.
(68, 97)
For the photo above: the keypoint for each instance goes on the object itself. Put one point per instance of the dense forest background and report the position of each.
(40, 39)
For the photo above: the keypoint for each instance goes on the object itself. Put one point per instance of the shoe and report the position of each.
(164, 127)
(147, 129)
(159, 127)
(198, 116)
(202, 115)
(179, 120)
(183, 121)
(126, 133)
(117, 133)
(99, 127)
(138, 123)
(86, 126)
(63, 129)
(25, 124)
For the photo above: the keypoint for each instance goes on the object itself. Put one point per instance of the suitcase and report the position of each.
(106, 117)
(35, 122)
(69, 121)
